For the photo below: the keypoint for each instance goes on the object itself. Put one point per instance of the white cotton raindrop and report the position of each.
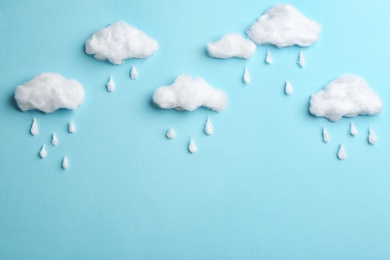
(208, 128)
(371, 136)
(325, 135)
(42, 152)
(71, 128)
(353, 131)
(288, 88)
(34, 127)
(246, 77)
(341, 153)
(65, 162)
(133, 73)
(301, 59)
(54, 139)
(111, 85)
(192, 147)
(170, 134)
(268, 58)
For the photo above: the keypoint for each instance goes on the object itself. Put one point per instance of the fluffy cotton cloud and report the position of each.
(48, 92)
(283, 25)
(120, 41)
(188, 93)
(231, 45)
(348, 96)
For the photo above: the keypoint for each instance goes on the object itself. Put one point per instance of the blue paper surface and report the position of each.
(263, 186)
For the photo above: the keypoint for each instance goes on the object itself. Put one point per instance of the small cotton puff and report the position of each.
(231, 45)
(283, 25)
(347, 95)
(188, 93)
(120, 41)
(48, 92)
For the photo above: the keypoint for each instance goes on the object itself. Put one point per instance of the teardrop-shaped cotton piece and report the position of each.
(288, 88)
(54, 139)
(208, 128)
(34, 127)
(325, 135)
(111, 85)
(192, 147)
(246, 77)
(71, 128)
(133, 73)
(65, 162)
(301, 59)
(170, 134)
(371, 137)
(353, 130)
(268, 59)
(42, 152)
(341, 153)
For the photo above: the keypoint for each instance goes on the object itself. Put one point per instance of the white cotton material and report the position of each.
(246, 78)
(353, 131)
(231, 45)
(268, 58)
(192, 148)
(288, 88)
(48, 92)
(54, 140)
(110, 84)
(65, 162)
(348, 96)
(133, 73)
(71, 127)
(325, 135)
(188, 93)
(208, 127)
(170, 134)
(42, 152)
(341, 153)
(120, 41)
(34, 127)
(283, 25)
(371, 136)
(301, 59)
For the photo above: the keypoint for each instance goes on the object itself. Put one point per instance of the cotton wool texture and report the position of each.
(348, 96)
(48, 92)
(283, 25)
(120, 41)
(230, 46)
(188, 93)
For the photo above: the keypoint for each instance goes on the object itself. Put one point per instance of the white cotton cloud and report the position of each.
(120, 41)
(48, 92)
(283, 25)
(188, 93)
(347, 95)
(231, 45)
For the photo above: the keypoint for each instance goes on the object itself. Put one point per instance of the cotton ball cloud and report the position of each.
(283, 25)
(347, 95)
(120, 41)
(48, 92)
(188, 93)
(231, 45)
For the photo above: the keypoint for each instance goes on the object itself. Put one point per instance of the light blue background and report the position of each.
(264, 186)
